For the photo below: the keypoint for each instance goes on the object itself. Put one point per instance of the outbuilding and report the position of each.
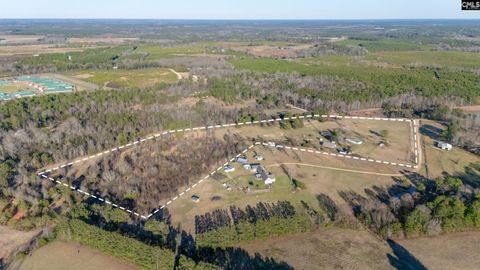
(354, 141)
(444, 146)
(228, 168)
(195, 199)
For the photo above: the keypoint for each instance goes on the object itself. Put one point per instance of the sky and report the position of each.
(236, 9)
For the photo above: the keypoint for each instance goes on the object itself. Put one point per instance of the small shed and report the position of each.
(242, 160)
(228, 168)
(247, 166)
(444, 146)
(259, 157)
(195, 198)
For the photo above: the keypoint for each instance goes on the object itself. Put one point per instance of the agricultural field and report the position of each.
(338, 248)
(72, 256)
(143, 78)
(36, 49)
(326, 248)
(447, 252)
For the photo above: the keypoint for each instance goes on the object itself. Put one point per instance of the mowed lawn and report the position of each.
(139, 78)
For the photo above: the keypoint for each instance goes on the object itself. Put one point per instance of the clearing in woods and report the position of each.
(142, 78)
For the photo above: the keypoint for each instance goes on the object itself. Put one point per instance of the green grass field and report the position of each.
(140, 78)
(385, 44)
(159, 52)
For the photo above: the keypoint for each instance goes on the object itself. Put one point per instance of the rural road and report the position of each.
(335, 169)
(417, 144)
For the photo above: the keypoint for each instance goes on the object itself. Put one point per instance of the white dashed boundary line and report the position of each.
(160, 134)
(194, 185)
(92, 196)
(314, 151)
(271, 144)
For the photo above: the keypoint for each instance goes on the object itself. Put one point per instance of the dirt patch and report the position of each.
(19, 39)
(12, 240)
(35, 49)
(83, 76)
(289, 51)
(106, 40)
(71, 256)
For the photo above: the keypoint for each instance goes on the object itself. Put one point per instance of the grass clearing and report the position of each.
(326, 248)
(214, 195)
(439, 161)
(161, 52)
(447, 252)
(397, 138)
(71, 256)
(127, 78)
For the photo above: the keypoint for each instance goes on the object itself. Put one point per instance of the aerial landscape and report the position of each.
(224, 136)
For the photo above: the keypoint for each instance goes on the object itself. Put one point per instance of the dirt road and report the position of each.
(334, 168)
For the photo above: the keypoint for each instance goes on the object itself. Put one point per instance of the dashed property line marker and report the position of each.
(90, 195)
(188, 189)
(271, 144)
(222, 126)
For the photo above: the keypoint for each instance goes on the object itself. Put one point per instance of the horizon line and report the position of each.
(244, 19)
